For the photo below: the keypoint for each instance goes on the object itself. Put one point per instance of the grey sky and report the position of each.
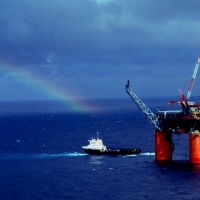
(91, 47)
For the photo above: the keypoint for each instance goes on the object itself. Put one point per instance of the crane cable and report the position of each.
(187, 79)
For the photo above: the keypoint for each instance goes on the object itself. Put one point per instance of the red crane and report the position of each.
(185, 103)
(193, 78)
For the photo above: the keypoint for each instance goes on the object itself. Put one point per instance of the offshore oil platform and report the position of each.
(168, 122)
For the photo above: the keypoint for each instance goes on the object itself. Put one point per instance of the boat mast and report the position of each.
(97, 135)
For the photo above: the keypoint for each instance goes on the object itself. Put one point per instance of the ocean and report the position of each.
(41, 154)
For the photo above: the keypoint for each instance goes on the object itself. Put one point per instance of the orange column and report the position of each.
(194, 144)
(163, 147)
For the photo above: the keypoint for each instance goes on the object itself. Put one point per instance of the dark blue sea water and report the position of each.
(41, 155)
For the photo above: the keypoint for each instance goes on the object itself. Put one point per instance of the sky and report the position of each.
(88, 49)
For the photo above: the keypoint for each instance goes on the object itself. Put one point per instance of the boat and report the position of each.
(96, 147)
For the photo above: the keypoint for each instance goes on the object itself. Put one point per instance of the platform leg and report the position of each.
(194, 146)
(163, 147)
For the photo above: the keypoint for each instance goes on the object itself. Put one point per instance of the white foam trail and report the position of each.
(76, 154)
(131, 155)
(148, 154)
(47, 156)
(39, 156)
(59, 155)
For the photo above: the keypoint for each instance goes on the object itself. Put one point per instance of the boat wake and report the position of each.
(14, 156)
(59, 155)
(143, 154)
(6, 156)
(130, 155)
(148, 154)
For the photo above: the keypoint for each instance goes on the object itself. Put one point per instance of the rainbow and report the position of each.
(46, 88)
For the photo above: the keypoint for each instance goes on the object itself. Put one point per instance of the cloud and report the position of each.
(94, 42)
(92, 30)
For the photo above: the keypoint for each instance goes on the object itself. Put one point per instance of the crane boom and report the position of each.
(193, 78)
(151, 117)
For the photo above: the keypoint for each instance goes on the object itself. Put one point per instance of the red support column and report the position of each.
(163, 147)
(194, 145)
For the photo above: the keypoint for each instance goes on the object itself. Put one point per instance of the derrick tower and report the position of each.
(168, 122)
